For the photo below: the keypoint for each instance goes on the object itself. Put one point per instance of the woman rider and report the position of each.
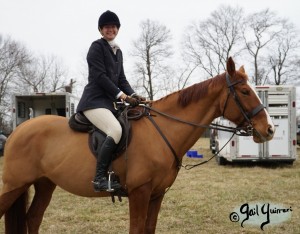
(107, 83)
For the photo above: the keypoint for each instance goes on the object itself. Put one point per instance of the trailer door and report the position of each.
(278, 147)
(282, 112)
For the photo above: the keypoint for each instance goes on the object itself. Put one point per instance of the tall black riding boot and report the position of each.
(104, 156)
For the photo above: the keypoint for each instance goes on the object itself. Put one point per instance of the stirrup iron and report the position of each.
(109, 182)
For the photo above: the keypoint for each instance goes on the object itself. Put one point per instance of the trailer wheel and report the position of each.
(221, 160)
(213, 149)
(289, 162)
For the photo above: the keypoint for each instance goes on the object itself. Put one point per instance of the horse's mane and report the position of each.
(197, 91)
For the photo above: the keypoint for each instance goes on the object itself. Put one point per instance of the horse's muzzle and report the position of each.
(263, 137)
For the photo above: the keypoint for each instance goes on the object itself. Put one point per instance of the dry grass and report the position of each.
(200, 201)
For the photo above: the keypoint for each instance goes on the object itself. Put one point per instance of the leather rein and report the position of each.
(241, 131)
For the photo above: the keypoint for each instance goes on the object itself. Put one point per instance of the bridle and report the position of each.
(248, 130)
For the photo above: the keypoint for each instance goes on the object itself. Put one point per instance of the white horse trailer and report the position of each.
(27, 106)
(280, 102)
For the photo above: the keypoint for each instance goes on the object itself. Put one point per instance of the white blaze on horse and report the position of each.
(45, 152)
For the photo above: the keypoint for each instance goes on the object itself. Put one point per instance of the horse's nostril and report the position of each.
(270, 131)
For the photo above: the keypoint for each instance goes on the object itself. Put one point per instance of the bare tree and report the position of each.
(12, 55)
(57, 76)
(32, 75)
(283, 56)
(261, 29)
(43, 74)
(209, 43)
(184, 75)
(152, 49)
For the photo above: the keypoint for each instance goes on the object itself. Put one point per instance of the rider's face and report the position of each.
(109, 32)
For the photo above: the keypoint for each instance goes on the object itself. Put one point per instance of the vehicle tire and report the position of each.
(289, 162)
(221, 160)
(213, 150)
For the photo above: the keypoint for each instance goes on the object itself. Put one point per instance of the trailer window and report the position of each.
(21, 109)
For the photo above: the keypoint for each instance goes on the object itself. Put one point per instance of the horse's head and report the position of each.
(243, 107)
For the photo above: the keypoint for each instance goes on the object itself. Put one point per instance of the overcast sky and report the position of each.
(66, 28)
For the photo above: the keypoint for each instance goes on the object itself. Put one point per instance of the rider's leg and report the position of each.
(103, 160)
(106, 122)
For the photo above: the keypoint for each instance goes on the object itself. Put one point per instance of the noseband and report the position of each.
(247, 115)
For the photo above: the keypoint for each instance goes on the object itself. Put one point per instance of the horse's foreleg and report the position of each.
(153, 210)
(43, 193)
(138, 208)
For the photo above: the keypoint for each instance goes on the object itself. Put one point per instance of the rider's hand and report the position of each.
(138, 97)
(132, 101)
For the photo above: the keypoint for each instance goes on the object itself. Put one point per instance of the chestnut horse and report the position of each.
(45, 152)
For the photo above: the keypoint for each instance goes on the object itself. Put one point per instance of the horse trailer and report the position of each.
(27, 106)
(280, 102)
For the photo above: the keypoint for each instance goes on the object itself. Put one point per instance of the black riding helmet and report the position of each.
(108, 17)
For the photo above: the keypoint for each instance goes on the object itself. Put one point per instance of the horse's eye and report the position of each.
(245, 92)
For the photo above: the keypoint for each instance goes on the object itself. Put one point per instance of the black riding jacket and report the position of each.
(106, 77)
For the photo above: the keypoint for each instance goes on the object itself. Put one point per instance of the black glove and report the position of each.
(138, 97)
(132, 101)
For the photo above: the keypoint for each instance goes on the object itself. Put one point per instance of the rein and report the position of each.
(178, 161)
(240, 131)
(237, 130)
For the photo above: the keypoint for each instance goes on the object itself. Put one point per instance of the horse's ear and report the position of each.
(242, 69)
(230, 66)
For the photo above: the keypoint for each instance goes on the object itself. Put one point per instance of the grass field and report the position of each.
(200, 201)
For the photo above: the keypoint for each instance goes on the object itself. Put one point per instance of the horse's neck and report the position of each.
(202, 112)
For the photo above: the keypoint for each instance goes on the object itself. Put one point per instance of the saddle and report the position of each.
(78, 122)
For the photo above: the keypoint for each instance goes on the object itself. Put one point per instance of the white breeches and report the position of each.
(105, 120)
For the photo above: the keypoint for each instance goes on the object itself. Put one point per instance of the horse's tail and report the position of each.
(15, 216)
